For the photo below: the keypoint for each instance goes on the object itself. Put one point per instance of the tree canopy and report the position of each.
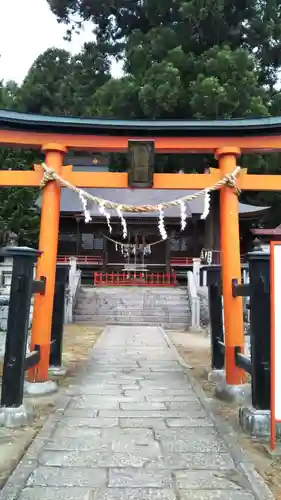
(187, 59)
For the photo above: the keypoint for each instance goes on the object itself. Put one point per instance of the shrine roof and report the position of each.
(70, 202)
(267, 232)
(11, 120)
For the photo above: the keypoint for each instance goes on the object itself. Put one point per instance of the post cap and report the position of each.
(20, 252)
(211, 268)
(230, 150)
(258, 255)
(54, 146)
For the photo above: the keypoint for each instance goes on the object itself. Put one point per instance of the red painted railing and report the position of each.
(134, 279)
(181, 261)
(81, 259)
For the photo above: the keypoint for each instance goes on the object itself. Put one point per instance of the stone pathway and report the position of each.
(133, 428)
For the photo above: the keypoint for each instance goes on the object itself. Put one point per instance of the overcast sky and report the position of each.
(28, 28)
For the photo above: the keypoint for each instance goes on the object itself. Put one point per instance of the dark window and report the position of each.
(68, 237)
(87, 241)
(98, 243)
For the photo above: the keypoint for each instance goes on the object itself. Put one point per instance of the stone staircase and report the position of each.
(167, 307)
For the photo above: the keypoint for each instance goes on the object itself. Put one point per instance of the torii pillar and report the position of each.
(46, 266)
(231, 266)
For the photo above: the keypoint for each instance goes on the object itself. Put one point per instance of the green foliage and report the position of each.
(47, 79)
(19, 213)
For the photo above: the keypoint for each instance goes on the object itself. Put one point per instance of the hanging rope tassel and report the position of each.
(106, 215)
(207, 204)
(183, 215)
(122, 220)
(87, 214)
(161, 224)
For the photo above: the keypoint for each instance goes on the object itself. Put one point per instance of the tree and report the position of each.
(89, 70)
(253, 25)
(19, 213)
(182, 59)
(45, 83)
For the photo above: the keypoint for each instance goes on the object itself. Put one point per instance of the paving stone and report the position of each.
(126, 444)
(90, 422)
(135, 478)
(43, 493)
(189, 422)
(190, 461)
(140, 436)
(160, 391)
(68, 476)
(135, 494)
(187, 406)
(96, 390)
(135, 457)
(167, 363)
(131, 387)
(210, 480)
(146, 414)
(63, 431)
(92, 403)
(204, 440)
(79, 443)
(215, 495)
(167, 398)
(146, 405)
(152, 423)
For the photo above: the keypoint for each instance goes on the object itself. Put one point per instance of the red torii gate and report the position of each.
(226, 140)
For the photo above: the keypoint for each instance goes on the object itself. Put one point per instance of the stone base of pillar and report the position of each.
(57, 371)
(217, 376)
(240, 394)
(16, 417)
(34, 389)
(256, 423)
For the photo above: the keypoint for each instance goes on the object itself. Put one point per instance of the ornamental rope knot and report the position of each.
(231, 182)
(48, 176)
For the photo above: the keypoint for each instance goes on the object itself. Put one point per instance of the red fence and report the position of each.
(181, 261)
(98, 260)
(134, 279)
(81, 259)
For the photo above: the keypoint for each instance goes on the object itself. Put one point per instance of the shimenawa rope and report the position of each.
(51, 175)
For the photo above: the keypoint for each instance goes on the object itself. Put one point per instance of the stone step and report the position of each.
(134, 291)
(154, 319)
(138, 307)
(133, 297)
(166, 325)
(166, 307)
(130, 321)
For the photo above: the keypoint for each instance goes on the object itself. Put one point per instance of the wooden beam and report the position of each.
(9, 178)
(120, 143)
(186, 181)
(117, 180)
(260, 182)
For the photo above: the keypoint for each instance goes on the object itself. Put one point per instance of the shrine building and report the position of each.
(98, 249)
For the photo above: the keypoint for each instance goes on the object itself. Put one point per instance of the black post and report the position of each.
(260, 328)
(62, 274)
(24, 259)
(215, 312)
